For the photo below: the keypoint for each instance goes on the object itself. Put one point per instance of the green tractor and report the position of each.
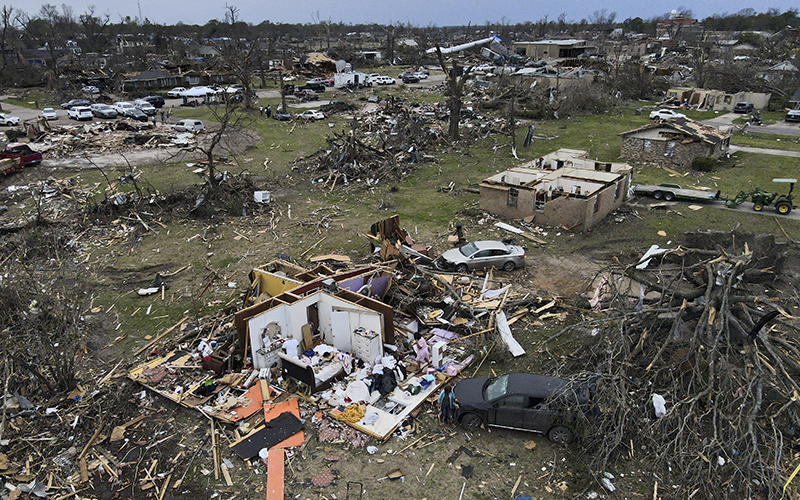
(783, 203)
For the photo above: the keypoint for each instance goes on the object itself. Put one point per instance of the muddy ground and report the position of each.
(118, 254)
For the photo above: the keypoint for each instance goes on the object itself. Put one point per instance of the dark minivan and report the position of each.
(523, 401)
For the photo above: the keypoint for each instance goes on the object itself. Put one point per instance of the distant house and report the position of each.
(149, 79)
(716, 99)
(673, 142)
(552, 49)
(564, 188)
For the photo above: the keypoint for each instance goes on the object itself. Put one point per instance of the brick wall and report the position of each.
(683, 154)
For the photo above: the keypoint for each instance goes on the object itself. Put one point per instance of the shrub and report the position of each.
(704, 164)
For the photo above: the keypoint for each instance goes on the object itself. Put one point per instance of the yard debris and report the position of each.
(714, 341)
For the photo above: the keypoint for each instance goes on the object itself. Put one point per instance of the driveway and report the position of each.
(765, 151)
(725, 124)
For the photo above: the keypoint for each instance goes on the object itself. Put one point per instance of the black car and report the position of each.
(156, 100)
(316, 87)
(410, 78)
(137, 114)
(743, 107)
(75, 102)
(523, 401)
(334, 106)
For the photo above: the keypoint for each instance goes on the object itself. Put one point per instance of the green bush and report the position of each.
(704, 164)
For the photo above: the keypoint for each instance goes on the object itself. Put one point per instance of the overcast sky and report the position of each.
(417, 12)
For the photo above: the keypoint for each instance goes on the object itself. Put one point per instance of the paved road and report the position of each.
(725, 123)
(765, 151)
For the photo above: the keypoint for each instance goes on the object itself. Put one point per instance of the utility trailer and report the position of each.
(671, 192)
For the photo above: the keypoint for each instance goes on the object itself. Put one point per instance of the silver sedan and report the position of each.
(482, 254)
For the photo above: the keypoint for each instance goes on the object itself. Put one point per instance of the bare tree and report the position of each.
(95, 30)
(230, 118)
(50, 30)
(8, 19)
(391, 32)
(456, 78)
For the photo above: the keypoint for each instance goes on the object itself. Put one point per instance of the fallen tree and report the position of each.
(699, 378)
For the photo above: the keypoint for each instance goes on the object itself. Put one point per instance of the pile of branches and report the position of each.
(384, 146)
(706, 329)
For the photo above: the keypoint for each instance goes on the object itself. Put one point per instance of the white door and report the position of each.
(340, 330)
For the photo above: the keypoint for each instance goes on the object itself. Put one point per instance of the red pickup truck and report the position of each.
(22, 151)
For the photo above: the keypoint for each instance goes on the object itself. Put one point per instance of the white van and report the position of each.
(189, 126)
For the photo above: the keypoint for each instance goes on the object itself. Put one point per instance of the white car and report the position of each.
(124, 108)
(421, 75)
(189, 126)
(49, 114)
(145, 106)
(8, 119)
(383, 80)
(311, 114)
(176, 92)
(80, 113)
(91, 89)
(666, 114)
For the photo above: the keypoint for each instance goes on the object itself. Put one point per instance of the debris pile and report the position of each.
(699, 359)
(97, 138)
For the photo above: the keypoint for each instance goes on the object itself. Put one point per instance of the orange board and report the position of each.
(273, 410)
(254, 395)
(275, 473)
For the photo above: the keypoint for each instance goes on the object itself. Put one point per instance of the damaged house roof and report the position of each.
(686, 126)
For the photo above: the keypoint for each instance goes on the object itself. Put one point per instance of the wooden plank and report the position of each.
(332, 256)
(275, 460)
(273, 410)
(84, 470)
(226, 474)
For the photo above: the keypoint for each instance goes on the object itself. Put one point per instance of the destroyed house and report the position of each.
(558, 190)
(313, 307)
(552, 49)
(673, 142)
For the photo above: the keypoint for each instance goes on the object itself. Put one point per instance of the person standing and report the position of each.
(168, 114)
(269, 110)
(447, 402)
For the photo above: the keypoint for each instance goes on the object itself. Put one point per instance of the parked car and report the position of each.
(316, 87)
(666, 114)
(176, 92)
(8, 120)
(90, 89)
(546, 405)
(123, 108)
(383, 80)
(333, 106)
(281, 116)
(793, 115)
(23, 151)
(482, 254)
(156, 100)
(306, 95)
(75, 102)
(136, 114)
(103, 110)
(410, 78)
(743, 107)
(49, 114)
(422, 75)
(317, 80)
(80, 113)
(188, 125)
(145, 106)
(311, 114)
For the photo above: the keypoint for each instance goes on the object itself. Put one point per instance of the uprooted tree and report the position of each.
(456, 79)
(713, 338)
